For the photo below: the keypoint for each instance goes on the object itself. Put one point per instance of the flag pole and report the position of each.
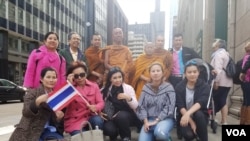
(84, 99)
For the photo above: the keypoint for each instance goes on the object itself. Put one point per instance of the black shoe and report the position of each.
(126, 139)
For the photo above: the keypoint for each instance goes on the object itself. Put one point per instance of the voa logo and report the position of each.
(236, 132)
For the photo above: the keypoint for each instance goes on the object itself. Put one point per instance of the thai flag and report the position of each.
(62, 97)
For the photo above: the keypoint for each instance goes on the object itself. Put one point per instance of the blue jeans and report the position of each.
(160, 131)
(94, 121)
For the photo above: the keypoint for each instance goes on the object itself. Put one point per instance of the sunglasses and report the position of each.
(76, 76)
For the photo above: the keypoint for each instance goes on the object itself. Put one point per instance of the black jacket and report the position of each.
(201, 94)
(187, 54)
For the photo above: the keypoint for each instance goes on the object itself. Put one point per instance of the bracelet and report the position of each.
(130, 99)
(157, 119)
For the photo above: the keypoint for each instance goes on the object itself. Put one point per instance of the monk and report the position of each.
(163, 55)
(118, 55)
(95, 64)
(141, 64)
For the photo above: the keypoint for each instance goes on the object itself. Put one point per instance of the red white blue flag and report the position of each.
(62, 97)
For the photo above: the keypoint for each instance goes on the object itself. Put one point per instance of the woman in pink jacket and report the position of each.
(81, 110)
(122, 96)
(45, 56)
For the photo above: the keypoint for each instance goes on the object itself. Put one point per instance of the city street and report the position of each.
(10, 114)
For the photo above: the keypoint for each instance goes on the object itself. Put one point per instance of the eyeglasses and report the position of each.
(76, 76)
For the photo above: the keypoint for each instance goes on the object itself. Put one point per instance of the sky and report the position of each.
(138, 11)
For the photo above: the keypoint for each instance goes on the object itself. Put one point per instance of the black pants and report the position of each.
(121, 125)
(201, 120)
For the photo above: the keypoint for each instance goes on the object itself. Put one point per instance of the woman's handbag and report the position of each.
(109, 109)
(90, 135)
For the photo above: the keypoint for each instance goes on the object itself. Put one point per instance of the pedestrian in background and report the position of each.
(45, 56)
(222, 82)
(245, 86)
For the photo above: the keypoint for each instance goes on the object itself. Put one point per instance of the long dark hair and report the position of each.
(108, 83)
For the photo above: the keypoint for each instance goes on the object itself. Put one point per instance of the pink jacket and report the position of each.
(77, 111)
(245, 58)
(220, 61)
(39, 59)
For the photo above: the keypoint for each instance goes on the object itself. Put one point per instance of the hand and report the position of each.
(92, 108)
(216, 86)
(193, 126)
(146, 126)
(152, 123)
(70, 78)
(214, 72)
(121, 96)
(185, 119)
(59, 115)
(242, 76)
(41, 99)
(103, 116)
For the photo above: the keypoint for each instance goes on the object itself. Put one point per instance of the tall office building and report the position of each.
(157, 19)
(116, 18)
(145, 29)
(136, 43)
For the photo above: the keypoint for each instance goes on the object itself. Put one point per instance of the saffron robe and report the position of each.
(94, 62)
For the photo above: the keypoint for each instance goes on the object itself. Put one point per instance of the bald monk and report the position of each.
(95, 64)
(118, 55)
(163, 55)
(141, 68)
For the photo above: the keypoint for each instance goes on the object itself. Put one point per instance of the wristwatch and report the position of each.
(157, 119)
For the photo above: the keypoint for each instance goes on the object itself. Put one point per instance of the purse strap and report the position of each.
(90, 128)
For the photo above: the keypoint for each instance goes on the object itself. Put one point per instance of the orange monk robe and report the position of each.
(166, 58)
(121, 56)
(94, 62)
(141, 65)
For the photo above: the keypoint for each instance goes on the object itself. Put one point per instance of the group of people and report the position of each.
(143, 92)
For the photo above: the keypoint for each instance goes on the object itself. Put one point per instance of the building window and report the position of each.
(2, 8)
(20, 16)
(25, 47)
(11, 12)
(28, 22)
(35, 23)
(13, 43)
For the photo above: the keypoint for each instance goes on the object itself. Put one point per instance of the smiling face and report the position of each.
(51, 42)
(49, 80)
(116, 79)
(74, 41)
(192, 73)
(156, 72)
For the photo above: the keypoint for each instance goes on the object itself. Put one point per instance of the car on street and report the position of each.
(11, 91)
